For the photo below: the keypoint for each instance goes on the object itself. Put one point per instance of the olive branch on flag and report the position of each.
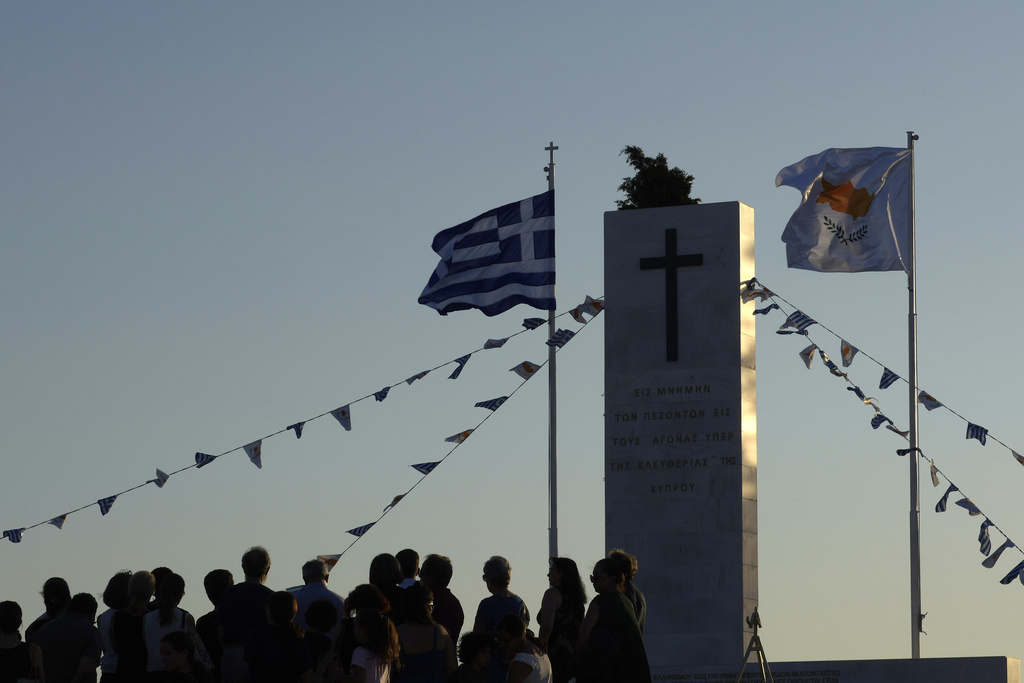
(840, 233)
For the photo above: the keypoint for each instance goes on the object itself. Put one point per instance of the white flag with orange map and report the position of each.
(854, 211)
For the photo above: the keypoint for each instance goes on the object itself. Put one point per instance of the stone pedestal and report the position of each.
(680, 425)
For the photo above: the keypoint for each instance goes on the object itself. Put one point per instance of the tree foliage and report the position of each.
(655, 184)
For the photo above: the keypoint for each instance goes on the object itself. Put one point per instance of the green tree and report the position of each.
(655, 184)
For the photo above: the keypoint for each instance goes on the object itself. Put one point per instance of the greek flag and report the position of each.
(941, 505)
(994, 557)
(501, 258)
(161, 478)
(492, 404)
(1014, 573)
(202, 459)
(560, 338)
(888, 378)
(382, 394)
(425, 467)
(878, 419)
(360, 530)
(458, 370)
(766, 309)
(14, 535)
(976, 432)
(860, 394)
(298, 429)
(984, 539)
(533, 323)
(798, 320)
(106, 503)
(418, 375)
(495, 343)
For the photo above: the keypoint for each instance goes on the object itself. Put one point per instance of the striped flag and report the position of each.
(1014, 573)
(976, 432)
(497, 260)
(425, 467)
(878, 420)
(105, 504)
(492, 404)
(526, 369)
(344, 416)
(495, 343)
(994, 557)
(984, 539)
(204, 459)
(798, 320)
(888, 378)
(941, 505)
(14, 535)
(764, 311)
(360, 530)
(255, 453)
(382, 394)
(533, 323)
(560, 338)
(461, 364)
(298, 429)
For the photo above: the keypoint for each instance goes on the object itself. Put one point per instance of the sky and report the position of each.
(216, 221)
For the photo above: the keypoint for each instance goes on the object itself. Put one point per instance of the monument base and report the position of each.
(943, 670)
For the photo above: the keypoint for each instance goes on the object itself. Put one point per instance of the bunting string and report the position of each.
(253, 449)
(800, 322)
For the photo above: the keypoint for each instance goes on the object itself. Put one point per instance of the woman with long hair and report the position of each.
(379, 653)
(561, 615)
(362, 597)
(115, 597)
(611, 647)
(529, 663)
(428, 652)
(386, 574)
(277, 653)
(167, 617)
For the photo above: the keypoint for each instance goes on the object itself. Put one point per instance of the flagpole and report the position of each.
(915, 501)
(552, 403)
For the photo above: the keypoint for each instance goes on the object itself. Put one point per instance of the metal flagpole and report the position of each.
(552, 404)
(915, 501)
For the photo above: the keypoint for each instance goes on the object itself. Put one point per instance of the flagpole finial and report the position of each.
(911, 136)
(550, 168)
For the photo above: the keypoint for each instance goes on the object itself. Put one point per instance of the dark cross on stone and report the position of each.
(671, 262)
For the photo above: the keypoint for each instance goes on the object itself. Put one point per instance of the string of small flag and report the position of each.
(798, 322)
(343, 414)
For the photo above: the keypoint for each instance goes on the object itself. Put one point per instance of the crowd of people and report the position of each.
(401, 626)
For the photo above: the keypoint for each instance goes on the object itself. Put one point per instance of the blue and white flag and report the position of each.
(14, 535)
(888, 378)
(298, 429)
(106, 503)
(878, 420)
(492, 404)
(860, 394)
(976, 432)
(418, 375)
(984, 539)
(495, 343)
(161, 478)
(394, 502)
(533, 323)
(994, 557)
(382, 394)
(764, 311)
(204, 459)
(425, 467)
(941, 505)
(344, 416)
(360, 530)
(798, 320)
(497, 260)
(560, 338)
(1014, 573)
(461, 364)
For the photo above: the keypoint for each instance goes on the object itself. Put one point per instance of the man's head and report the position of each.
(215, 582)
(83, 604)
(256, 564)
(315, 571)
(436, 571)
(56, 596)
(409, 560)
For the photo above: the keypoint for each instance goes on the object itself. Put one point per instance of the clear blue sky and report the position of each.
(215, 221)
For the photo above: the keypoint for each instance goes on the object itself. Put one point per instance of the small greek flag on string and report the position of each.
(1014, 573)
(382, 394)
(14, 535)
(878, 419)
(984, 539)
(106, 503)
(941, 505)
(560, 338)
(976, 432)
(764, 311)
(492, 404)
(418, 375)
(425, 467)
(495, 343)
(161, 478)
(798, 320)
(860, 394)
(991, 561)
(394, 502)
(360, 530)
(888, 379)
(297, 427)
(533, 323)
(203, 459)
(458, 370)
